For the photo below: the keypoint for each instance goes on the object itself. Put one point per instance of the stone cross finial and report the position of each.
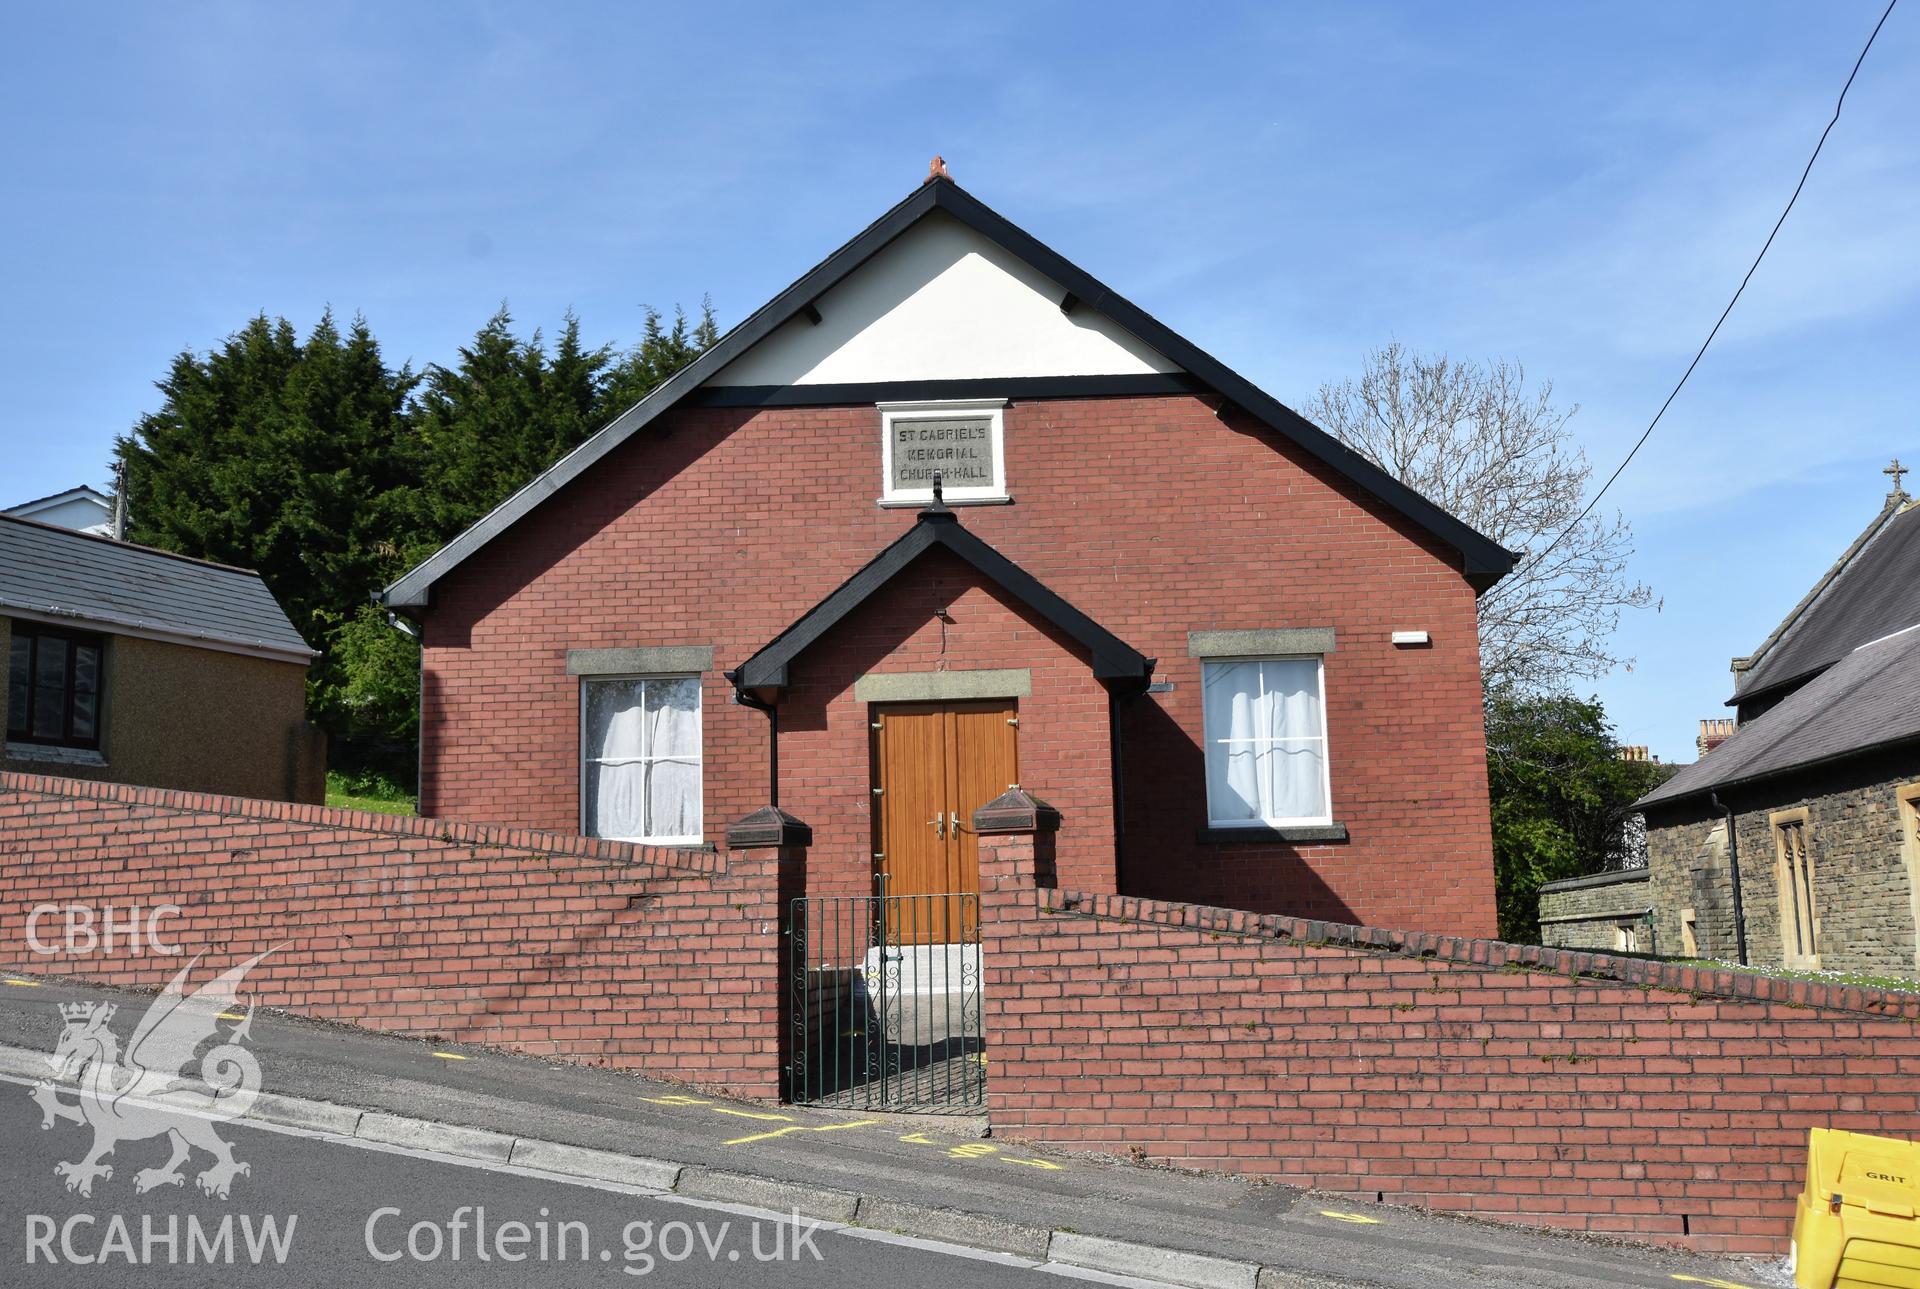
(1896, 472)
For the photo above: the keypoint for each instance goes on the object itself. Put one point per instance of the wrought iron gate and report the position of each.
(885, 996)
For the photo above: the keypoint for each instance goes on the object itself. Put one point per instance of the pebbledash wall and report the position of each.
(180, 716)
(1533, 1085)
(1156, 516)
(597, 952)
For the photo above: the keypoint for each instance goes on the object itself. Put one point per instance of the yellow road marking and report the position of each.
(972, 1150)
(1357, 1219)
(1032, 1163)
(230, 1016)
(452, 1056)
(748, 1114)
(1709, 1280)
(676, 1099)
(919, 1139)
(24, 984)
(781, 1132)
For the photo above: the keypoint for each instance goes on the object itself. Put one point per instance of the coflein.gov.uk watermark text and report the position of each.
(468, 1234)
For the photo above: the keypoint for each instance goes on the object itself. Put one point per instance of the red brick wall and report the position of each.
(1152, 515)
(1541, 1086)
(660, 961)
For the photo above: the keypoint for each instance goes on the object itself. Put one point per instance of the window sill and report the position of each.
(954, 503)
(51, 754)
(659, 843)
(1289, 833)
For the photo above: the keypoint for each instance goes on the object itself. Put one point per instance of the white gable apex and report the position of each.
(941, 302)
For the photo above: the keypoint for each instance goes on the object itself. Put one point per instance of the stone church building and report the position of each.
(1796, 842)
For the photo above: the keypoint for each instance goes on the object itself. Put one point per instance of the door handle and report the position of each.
(939, 822)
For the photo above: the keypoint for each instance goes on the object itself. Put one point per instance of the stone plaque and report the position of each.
(959, 447)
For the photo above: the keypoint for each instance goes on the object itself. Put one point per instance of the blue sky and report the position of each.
(1578, 188)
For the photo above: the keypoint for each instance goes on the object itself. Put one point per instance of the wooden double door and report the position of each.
(934, 764)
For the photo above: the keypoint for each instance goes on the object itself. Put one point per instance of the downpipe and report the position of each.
(1733, 865)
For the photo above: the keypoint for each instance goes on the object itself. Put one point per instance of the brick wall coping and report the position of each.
(1707, 982)
(441, 830)
(1618, 877)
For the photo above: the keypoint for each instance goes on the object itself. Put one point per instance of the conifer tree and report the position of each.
(331, 474)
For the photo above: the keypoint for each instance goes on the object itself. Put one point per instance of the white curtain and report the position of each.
(1266, 741)
(673, 754)
(642, 749)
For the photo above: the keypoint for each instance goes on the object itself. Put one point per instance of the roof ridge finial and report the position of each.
(938, 506)
(1895, 472)
(936, 170)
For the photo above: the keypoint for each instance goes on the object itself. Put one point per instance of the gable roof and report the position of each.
(1872, 591)
(1483, 561)
(1114, 661)
(84, 492)
(84, 509)
(59, 575)
(1870, 699)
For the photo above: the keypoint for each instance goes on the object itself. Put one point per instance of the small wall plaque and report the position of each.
(962, 441)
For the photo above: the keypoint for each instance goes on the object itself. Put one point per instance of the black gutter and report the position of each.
(772, 710)
(1117, 772)
(1733, 864)
(1650, 802)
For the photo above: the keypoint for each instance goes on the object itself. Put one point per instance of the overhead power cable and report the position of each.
(1648, 432)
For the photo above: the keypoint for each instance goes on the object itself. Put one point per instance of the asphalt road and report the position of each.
(375, 1217)
(933, 1162)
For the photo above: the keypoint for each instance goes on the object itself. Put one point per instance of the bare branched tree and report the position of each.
(1478, 442)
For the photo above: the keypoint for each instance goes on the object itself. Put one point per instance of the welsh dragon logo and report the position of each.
(150, 1093)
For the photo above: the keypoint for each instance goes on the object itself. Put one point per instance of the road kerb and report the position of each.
(1147, 1262)
(954, 1227)
(22, 1064)
(600, 1165)
(443, 1138)
(766, 1192)
(298, 1112)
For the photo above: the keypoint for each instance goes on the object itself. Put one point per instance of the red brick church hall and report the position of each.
(948, 515)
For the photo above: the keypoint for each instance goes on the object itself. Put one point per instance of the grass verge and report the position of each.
(368, 792)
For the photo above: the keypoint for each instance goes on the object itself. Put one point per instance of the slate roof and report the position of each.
(63, 574)
(1869, 699)
(1873, 591)
(1482, 559)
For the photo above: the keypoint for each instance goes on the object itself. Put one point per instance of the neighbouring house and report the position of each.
(82, 509)
(1820, 780)
(1714, 731)
(140, 666)
(948, 515)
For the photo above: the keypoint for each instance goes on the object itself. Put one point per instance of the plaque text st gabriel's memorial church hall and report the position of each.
(960, 448)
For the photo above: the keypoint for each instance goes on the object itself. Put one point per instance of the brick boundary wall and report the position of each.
(1550, 1087)
(604, 953)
